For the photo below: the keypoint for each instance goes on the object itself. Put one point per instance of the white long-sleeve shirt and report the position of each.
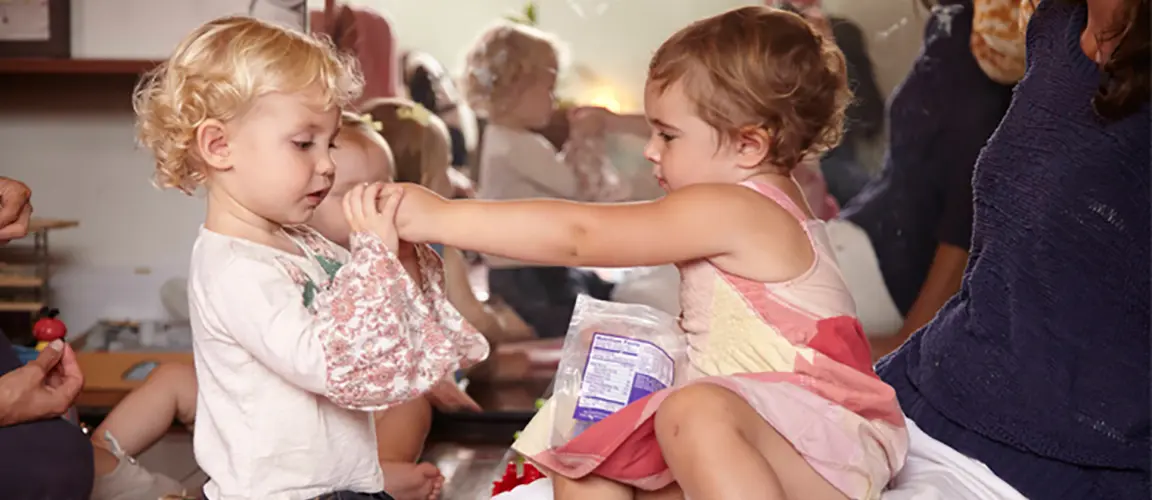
(291, 351)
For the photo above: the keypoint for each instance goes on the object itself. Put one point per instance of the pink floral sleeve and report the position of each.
(597, 179)
(386, 341)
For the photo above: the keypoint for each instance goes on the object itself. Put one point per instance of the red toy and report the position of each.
(48, 328)
(513, 478)
(531, 473)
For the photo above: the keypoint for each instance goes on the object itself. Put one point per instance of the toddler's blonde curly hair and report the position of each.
(217, 72)
(503, 60)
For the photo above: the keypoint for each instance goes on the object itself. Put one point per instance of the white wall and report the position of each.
(618, 41)
(74, 147)
(71, 139)
(894, 29)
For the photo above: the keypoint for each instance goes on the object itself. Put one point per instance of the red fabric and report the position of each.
(375, 48)
(842, 339)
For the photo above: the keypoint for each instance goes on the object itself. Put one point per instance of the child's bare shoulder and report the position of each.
(737, 203)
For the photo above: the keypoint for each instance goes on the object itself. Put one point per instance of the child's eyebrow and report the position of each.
(656, 122)
(313, 127)
(310, 126)
(315, 123)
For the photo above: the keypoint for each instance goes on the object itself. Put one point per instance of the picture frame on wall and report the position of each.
(36, 28)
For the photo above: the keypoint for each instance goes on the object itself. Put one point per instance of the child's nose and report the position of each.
(652, 154)
(326, 166)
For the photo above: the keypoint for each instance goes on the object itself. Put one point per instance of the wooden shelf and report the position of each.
(29, 307)
(37, 225)
(20, 281)
(31, 66)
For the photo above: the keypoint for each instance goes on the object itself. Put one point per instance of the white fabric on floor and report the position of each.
(934, 471)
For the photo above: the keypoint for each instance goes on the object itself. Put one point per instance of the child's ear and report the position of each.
(752, 147)
(212, 144)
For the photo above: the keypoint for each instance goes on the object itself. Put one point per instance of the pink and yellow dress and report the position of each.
(793, 351)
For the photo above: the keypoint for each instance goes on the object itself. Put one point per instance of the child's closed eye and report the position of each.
(306, 145)
(665, 137)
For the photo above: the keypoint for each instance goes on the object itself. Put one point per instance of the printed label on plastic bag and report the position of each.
(613, 355)
(620, 370)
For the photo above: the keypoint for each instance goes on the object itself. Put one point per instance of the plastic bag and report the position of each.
(613, 354)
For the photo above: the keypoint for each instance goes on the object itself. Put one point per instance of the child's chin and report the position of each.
(296, 219)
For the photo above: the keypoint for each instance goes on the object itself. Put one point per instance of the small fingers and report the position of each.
(388, 211)
(351, 199)
(369, 199)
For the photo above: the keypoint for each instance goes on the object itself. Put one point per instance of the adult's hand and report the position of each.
(15, 209)
(44, 388)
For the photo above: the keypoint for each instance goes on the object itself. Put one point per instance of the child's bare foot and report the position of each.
(409, 481)
(437, 487)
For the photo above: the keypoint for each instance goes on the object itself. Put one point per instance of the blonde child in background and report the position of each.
(510, 77)
(295, 339)
(362, 156)
(421, 149)
(779, 399)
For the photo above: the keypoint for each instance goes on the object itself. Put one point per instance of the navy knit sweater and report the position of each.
(1039, 366)
(940, 117)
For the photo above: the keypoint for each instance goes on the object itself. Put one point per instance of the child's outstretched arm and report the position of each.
(702, 221)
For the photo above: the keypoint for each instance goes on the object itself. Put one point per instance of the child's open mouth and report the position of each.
(316, 197)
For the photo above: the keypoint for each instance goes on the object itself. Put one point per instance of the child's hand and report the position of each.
(588, 122)
(419, 205)
(461, 185)
(365, 214)
(447, 396)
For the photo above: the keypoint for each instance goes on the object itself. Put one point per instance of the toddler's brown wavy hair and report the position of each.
(217, 72)
(760, 67)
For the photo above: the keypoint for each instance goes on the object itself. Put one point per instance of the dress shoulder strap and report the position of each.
(779, 196)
